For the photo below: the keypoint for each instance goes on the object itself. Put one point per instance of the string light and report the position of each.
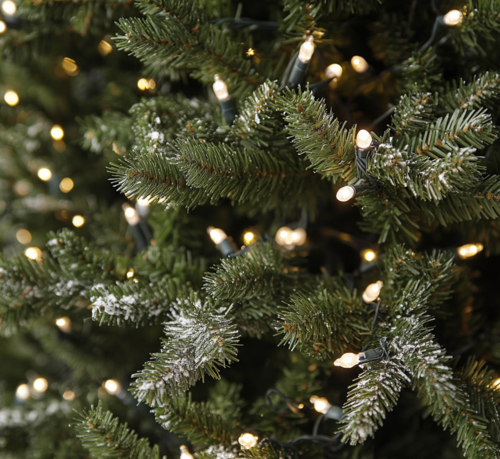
(112, 386)
(220, 89)
(306, 50)
(23, 236)
(66, 185)
(372, 292)
(130, 273)
(348, 360)
(495, 383)
(78, 221)
(9, 7)
(33, 253)
(321, 404)
(248, 440)
(216, 234)
(3, 27)
(249, 237)
(64, 324)
(299, 236)
(11, 98)
(131, 215)
(469, 250)
(40, 385)
(345, 193)
(333, 71)
(145, 202)
(250, 52)
(23, 392)
(44, 174)
(57, 132)
(70, 67)
(363, 139)
(104, 48)
(452, 18)
(69, 395)
(368, 255)
(151, 83)
(359, 64)
(142, 84)
(185, 454)
(284, 236)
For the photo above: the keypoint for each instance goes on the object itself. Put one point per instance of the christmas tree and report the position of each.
(252, 230)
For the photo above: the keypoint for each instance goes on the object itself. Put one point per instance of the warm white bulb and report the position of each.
(78, 221)
(66, 185)
(64, 323)
(346, 193)
(299, 236)
(347, 360)
(185, 454)
(248, 440)
(33, 253)
(11, 98)
(372, 292)
(469, 250)
(321, 404)
(363, 139)
(23, 236)
(220, 89)
(453, 17)
(23, 392)
(306, 50)
(130, 273)
(216, 234)
(40, 385)
(359, 64)
(69, 395)
(57, 132)
(44, 174)
(112, 386)
(333, 71)
(9, 7)
(368, 255)
(145, 202)
(284, 236)
(249, 237)
(131, 215)
(3, 27)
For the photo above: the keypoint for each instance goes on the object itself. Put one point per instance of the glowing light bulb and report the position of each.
(368, 255)
(112, 387)
(248, 440)
(333, 71)
(9, 7)
(299, 236)
(145, 202)
(306, 50)
(40, 385)
(469, 250)
(346, 193)
(220, 89)
(3, 27)
(250, 52)
(151, 83)
(23, 392)
(70, 67)
(185, 454)
(359, 64)
(131, 215)
(143, 84)
(57, 132)
(11, 98)
(372, 292)
(363, 139)
(44, 174)
(284, 236)
(64, 324)
(496, 383)
(66, 185)
(216, 234)
(33, 253)
(23, 236)
(78, 221)
(69, 395)
(321, 404)
(104, 48)
(452, 18)
(130, 273)
(249, 237)
(347, 360)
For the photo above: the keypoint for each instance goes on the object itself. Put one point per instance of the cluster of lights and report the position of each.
(64, 324)
(33, 253)
(78, 221)
(289, 238)
(39, 386)
(11, 98)
(248, 440)
(144, 84)
(469, 250)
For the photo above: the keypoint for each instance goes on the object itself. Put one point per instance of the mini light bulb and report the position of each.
(333, 71)
(9, 7)
(104, 48)
(359, 64)
(347, 360)
(69, 395)
(495, 384)
(23, 392)
(452, 18)
(345, 193)
(469, 250)
(70, 67)
(145, 202)
(40, 385)
(306, 50)
(363, 139)
(299, 236)
(23, 236)
(143, 84)
(185, 454)
(11, 98)
(57, 132)
(130, 273)
(44, 174)
(220, 89)
(66, 185)
(33, 253)
(64, 324)
(368, 255)
(112, 387)
(216, 234)
(372, 292)
(248, 440)
(249, 237)
(78, 221)
(151, 83)
(284, 236)
(131, 215)
(3, 27)
(321, 404)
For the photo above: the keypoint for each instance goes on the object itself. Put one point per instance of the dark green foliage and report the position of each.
(422, 71)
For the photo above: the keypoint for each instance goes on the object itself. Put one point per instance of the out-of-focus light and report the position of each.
(363, 139)
(144, 201)
(372, 292)
(368, 255)
(23, 236)
(57, 132)
(306, 50)
(44, 174)
(151, 83)
(40, 385)
(3, 27)
(23, 392)
(33, 253)
(299, 236)
(78, 221)
(130, 273)
(185, 454)
(143, 84)
(284, 236)
(250, 52)
(70, 67)
(9, 7)
(321, 404)
(348, 360)
(469, 250)
(64, 324)
(104, 48)
(69, 395)
(112, 386)
(496, 384)
(452, 18)
(346, 193)
(131, 215)
(11, 98)
(333, 71)
(249, 237)
(216, 234)
(66, 185)
(359, 64)
(248, 440)
(220, 89)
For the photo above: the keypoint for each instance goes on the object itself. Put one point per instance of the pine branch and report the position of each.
(198, 339)
(422, 72)
(104, 436)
